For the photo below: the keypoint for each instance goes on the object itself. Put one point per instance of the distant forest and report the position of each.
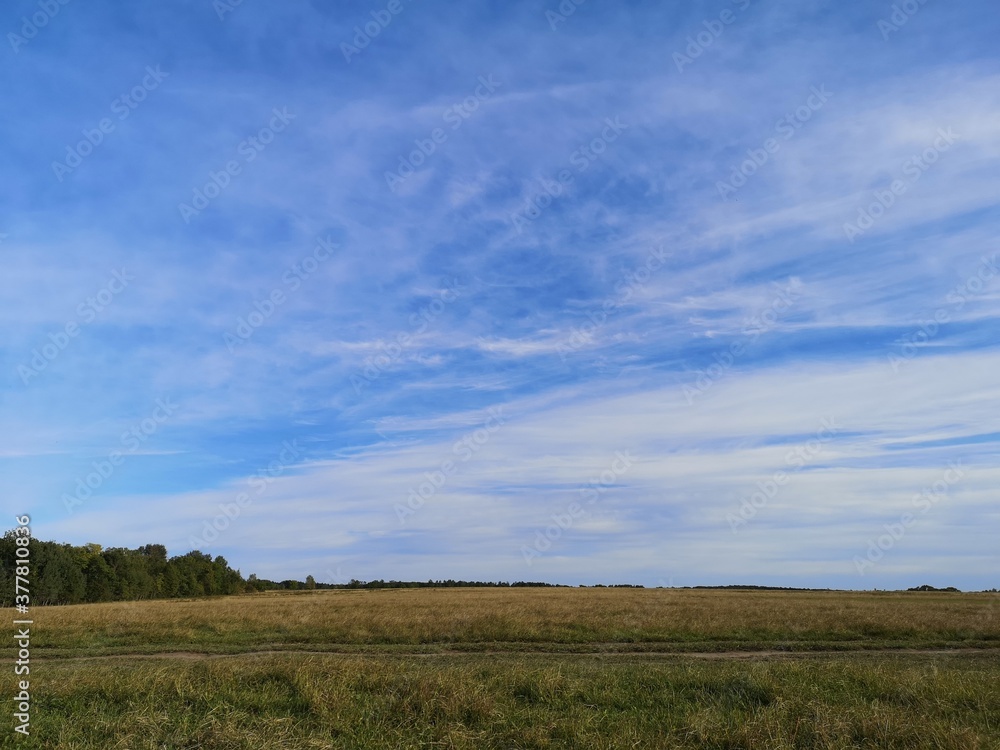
(64, 574)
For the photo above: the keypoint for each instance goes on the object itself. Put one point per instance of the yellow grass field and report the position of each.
(519, 669)
(535, 618)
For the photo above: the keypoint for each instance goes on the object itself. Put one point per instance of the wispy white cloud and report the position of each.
(563, 322)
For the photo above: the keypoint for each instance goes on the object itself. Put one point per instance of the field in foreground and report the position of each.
(482, 702)
(505, 669)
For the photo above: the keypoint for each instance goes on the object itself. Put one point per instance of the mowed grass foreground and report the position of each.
(519, 668)
(480, 702)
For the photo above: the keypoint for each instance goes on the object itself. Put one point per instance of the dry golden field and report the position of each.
(536, 618)
(519, 669)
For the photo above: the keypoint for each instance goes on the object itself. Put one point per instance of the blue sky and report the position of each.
(663, 293)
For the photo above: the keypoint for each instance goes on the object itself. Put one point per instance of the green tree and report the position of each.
(100, 580)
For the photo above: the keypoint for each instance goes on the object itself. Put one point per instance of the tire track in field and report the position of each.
(707, 655)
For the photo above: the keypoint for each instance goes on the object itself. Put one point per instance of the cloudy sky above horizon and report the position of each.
(660, 293)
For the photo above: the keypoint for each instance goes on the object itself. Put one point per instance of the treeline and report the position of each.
(616, 586)
(64, 574)
(749, 587)
(260, 584)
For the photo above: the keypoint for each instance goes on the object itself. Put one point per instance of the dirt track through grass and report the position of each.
(720, 655)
